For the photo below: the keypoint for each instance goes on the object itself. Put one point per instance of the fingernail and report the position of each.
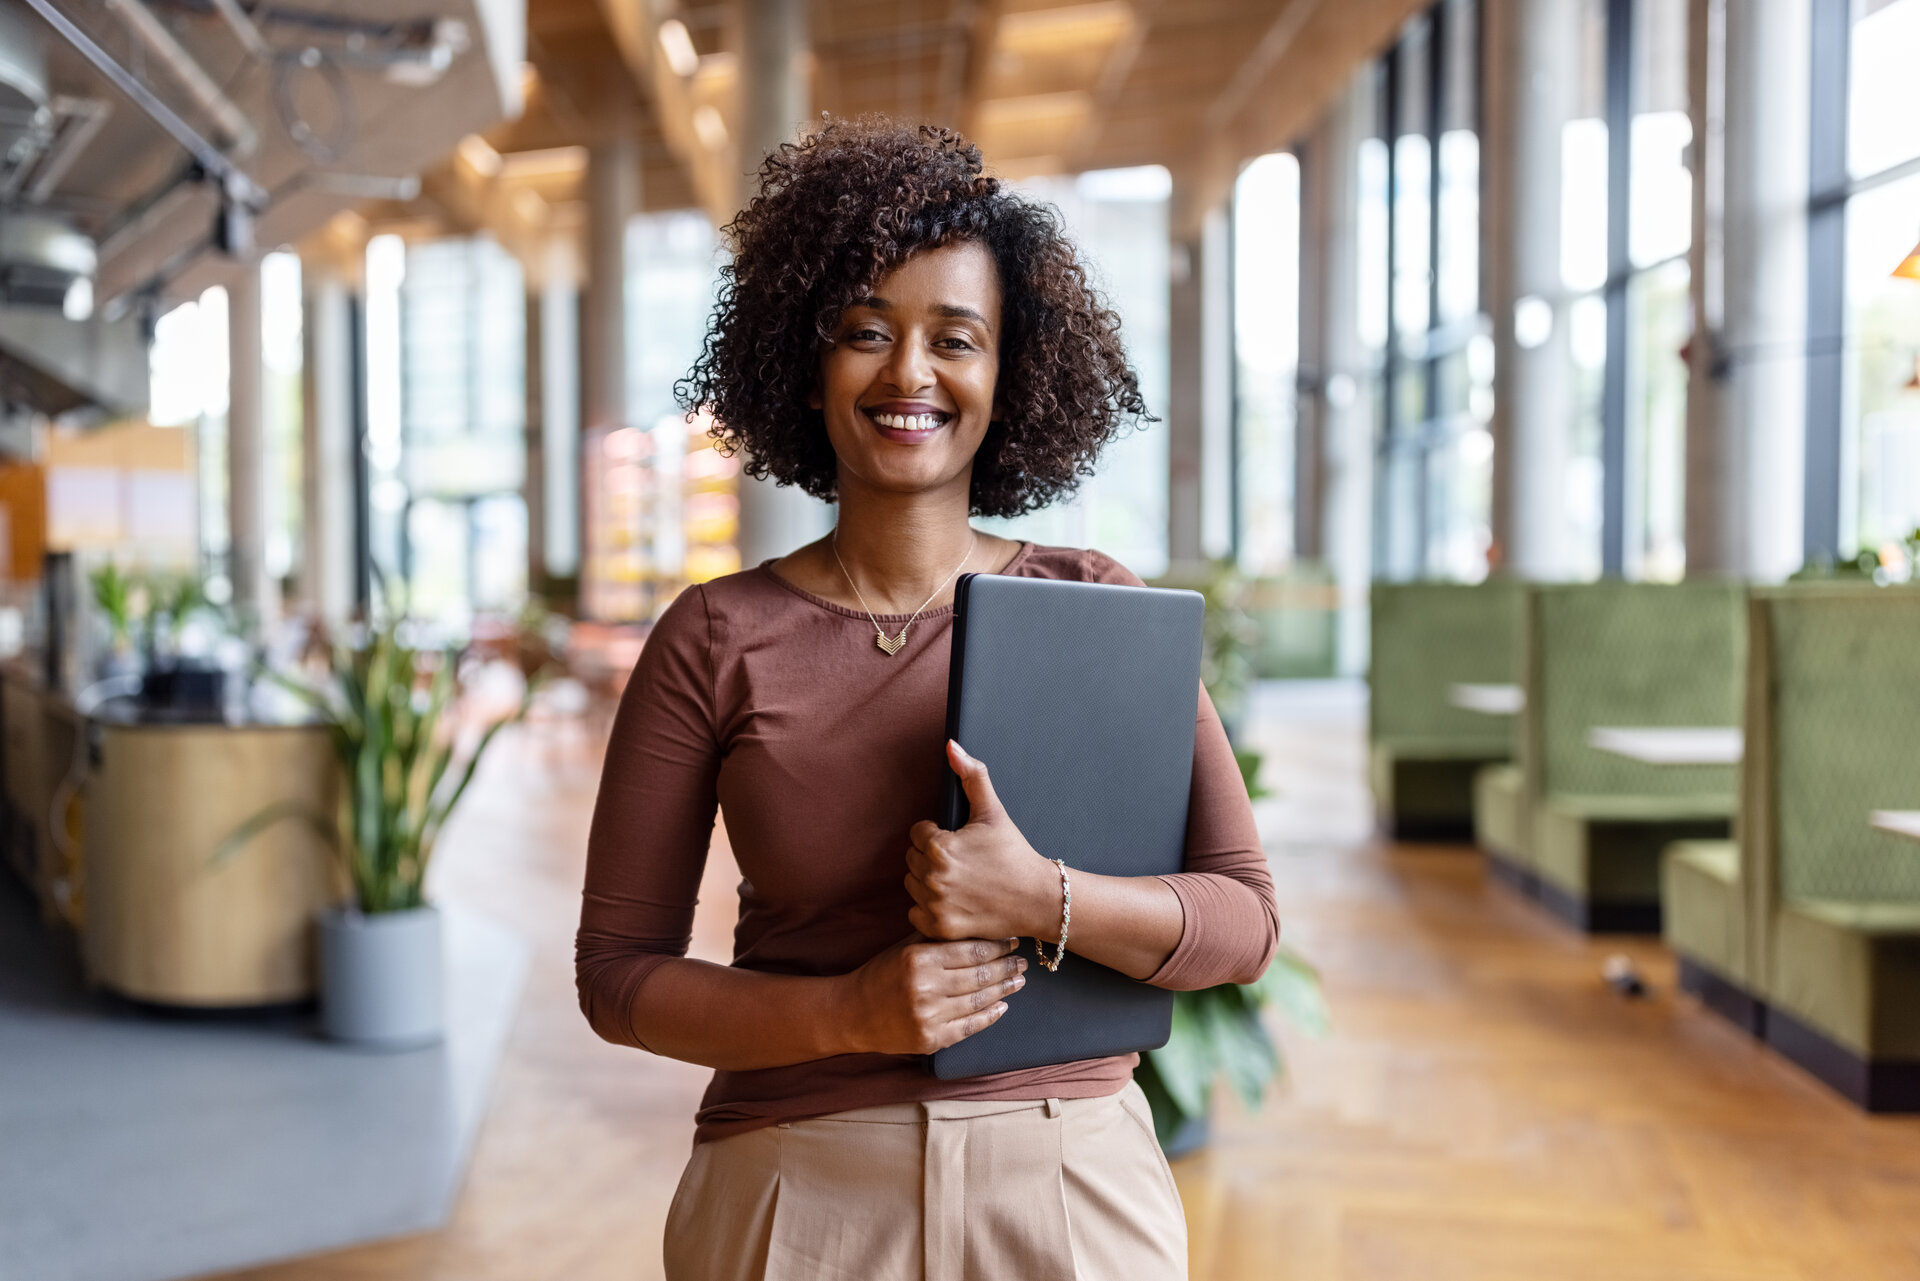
(961, 751)
(1019, 981)
(1000, 1008)
(1023, 965)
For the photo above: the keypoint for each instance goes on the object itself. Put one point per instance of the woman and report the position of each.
(905, 337)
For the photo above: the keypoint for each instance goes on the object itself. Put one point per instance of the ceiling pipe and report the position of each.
(236, 131)
(232, 181)
(80, 119)
(244, 29)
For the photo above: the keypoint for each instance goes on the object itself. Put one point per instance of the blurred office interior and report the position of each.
(1537, 399)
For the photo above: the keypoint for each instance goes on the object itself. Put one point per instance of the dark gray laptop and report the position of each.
(1081, 699)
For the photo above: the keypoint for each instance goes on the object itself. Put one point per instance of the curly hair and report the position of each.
(837, 211)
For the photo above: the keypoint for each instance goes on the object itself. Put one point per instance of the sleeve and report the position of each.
(1232, 925)
(652, 821)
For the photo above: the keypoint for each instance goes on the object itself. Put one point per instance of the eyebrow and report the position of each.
(952, 311)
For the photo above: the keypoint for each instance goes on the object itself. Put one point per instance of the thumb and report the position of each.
(983, 805)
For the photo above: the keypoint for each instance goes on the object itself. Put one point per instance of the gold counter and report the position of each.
(160, 917)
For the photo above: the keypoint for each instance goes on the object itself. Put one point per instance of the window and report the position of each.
(1659, 207)
(1118, 219)
(1433, 496)
(1266, 340)
(462, 385)
(1627, 223)
(1871, 212)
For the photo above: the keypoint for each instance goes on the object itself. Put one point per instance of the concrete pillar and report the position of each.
(1199, 394)
(1185, 394)
(1321, 166)
(1533, 62)
(557, 336)
(255, 595)
(613, 198)
(774, 103)
(1343, 399)
(329, 443)
(1746, 452)
(1218, 537)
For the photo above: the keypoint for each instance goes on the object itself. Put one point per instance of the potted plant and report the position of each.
(1218, 1031)
(385, 705)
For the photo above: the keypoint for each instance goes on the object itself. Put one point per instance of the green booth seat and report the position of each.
(1834, 937)
(1621, 654)
(1500, 824)
(1703, 901)
(1423, 751)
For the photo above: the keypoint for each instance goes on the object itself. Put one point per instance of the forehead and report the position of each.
(961, 275)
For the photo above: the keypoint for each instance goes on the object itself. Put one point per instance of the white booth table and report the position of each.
(1671, 745)
(1489, 700)
(1904, 823)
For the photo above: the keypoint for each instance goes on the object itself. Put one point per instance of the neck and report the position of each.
(902, 545)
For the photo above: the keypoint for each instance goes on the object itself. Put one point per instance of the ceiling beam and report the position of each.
(1304, 58)
(636, 30)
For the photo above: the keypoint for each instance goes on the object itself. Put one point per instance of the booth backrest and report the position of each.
(1629, 654)
(1842, 703)
(1428, 637)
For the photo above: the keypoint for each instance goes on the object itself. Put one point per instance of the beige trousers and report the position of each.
(1043, 1190)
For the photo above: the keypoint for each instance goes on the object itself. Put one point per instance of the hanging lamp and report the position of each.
(1910, 265)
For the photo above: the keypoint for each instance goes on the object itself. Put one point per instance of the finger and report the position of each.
(922, 921)
(966, 953)
(967, 1024)
(988, 981)
(922, 832)
(982, 805)
(918, 863)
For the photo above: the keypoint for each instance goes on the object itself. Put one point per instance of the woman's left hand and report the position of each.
(983, 881)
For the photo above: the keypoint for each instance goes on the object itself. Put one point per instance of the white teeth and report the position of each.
(908, 422)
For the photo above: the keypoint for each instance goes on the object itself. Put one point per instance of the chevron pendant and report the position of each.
(891, 644)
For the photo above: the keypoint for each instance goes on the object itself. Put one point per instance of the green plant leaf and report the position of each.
(1167, 1115)
(279, 812)
(1247, 1054)
(1188, 1062)
(1292, 986)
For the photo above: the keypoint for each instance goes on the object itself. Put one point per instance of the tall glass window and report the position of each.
(1433, 491)
(1880, 409)
(462, 380)
(1118, 219)
(1266, 341)
(1659, 233)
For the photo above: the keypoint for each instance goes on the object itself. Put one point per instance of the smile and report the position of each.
(908, 424)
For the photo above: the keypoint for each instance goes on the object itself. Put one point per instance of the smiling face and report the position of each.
(907, 386)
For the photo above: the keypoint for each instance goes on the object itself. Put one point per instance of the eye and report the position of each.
(866, 333)
(955, 344)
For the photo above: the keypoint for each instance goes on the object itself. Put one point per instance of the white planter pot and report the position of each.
(381, 978)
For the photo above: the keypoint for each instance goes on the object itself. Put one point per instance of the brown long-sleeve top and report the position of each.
(821, 752)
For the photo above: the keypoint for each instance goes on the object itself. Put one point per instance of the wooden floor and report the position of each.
(1486, 1108)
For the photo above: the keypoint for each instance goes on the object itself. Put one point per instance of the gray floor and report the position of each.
(136, 1146)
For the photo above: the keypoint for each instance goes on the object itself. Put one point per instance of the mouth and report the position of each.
(908, 427)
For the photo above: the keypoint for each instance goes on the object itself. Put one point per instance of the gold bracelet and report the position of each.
(1066, 921)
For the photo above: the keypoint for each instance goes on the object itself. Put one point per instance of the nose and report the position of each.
(908, 368)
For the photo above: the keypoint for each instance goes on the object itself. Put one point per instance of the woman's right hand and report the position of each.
(920, 996)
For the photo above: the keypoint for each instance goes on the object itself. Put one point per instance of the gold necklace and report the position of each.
(891, 645)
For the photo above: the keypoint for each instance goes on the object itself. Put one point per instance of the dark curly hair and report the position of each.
(837, 211)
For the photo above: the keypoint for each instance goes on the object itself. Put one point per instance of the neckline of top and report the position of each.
(765, 567)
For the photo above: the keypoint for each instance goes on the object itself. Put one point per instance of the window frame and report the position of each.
(1831, 186)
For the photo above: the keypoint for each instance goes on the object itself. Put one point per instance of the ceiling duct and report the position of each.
(53, 365)
(43, 262)
(25, 122)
